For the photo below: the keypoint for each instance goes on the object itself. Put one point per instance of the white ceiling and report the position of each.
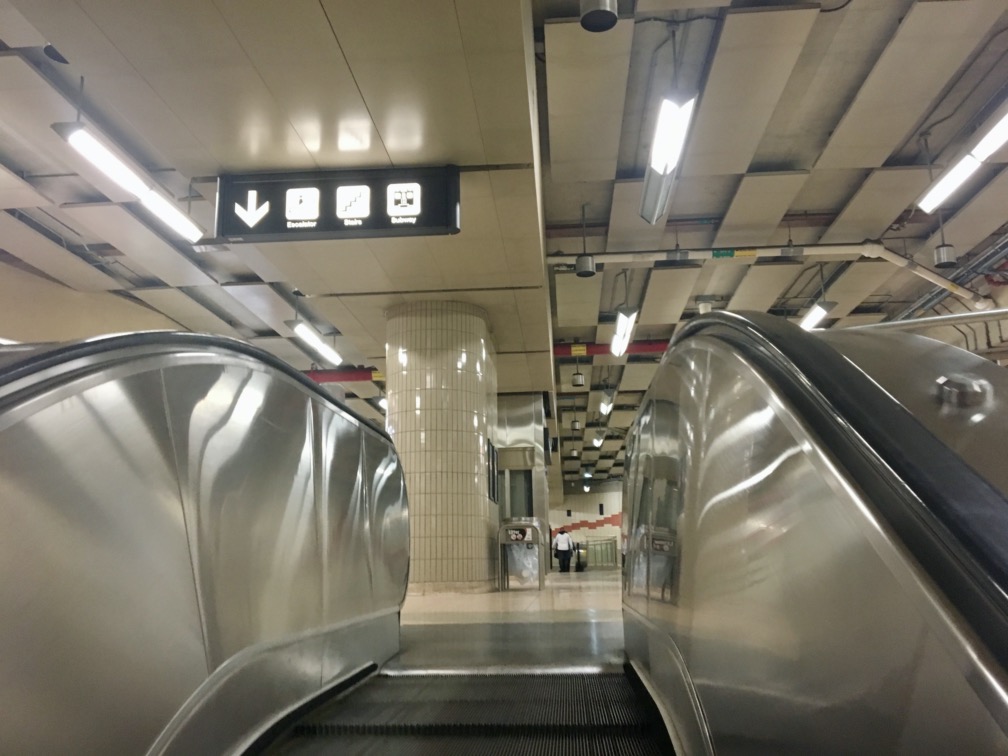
(808, 129)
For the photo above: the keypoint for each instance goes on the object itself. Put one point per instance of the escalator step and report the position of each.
(527, 744)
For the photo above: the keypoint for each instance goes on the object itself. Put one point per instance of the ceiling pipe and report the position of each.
(959, 318)
(978, 301)
(657, 346)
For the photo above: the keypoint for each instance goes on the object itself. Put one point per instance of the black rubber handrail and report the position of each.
(162, 342)
(950, 518)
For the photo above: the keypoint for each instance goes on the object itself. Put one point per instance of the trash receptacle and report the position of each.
(581, 557)
(523, 557)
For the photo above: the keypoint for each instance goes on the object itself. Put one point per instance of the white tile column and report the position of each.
(441, 384)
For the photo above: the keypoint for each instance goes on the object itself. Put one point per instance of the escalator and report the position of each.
(550, 713)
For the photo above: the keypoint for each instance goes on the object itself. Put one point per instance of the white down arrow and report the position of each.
(252, 214)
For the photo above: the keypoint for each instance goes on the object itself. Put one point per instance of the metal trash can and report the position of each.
(580, 557)
(523, 558)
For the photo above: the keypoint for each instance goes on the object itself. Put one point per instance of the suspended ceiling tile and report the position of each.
(128, 234)
(284, 349)
(363, 389)
(577, 299)
(627, 230)
(860, 319)
(38, 251)
(856, 283)
(534, 319)
(16, 31)
(755, 213)
(365, 409)
(668, 291)
(763, 285)
(611, 446)
(586, 84)
(885, 194)
(931, 43)
(979, 218)
(755, 56)
(266, 304)
(622, 418)
(637, 376)
(15, 192)
(185, 311)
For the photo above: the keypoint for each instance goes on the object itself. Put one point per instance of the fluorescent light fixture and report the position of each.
(597, 441)
(587, 473)
(608, 398)
(816, 315)
(670, 135)
(171, 216)
(311, 338)
(956, 176)
(993, 141)
(625, 319)
(383, 403)
(666, 149)
(106, 161)
(586, 488)
(951, 181)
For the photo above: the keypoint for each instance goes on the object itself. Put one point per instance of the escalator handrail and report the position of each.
(950, 518)
(149, 343)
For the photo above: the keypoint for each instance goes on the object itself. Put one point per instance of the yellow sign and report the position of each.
(579, 350)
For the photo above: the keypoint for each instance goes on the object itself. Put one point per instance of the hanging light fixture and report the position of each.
(598, 15)
(820, 309)
(626, 317)
(310, 337)
(995, 136)
(578, 379)
(575, 424)
(84, 141)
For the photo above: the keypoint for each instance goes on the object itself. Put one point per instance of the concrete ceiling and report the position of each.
(808, 129)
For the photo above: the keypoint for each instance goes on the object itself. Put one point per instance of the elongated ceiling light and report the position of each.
(956, 176)
(314, 340)
(606, 404)
(106, 161)
(597, 441)
(625, 319)
(816, 315)
(666, 149)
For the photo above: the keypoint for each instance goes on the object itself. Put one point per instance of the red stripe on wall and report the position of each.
(616, 519)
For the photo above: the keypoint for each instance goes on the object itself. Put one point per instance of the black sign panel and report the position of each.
(338, 204)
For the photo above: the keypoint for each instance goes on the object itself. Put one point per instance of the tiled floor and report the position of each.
(575, 622)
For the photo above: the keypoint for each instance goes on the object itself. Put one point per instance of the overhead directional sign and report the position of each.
(338, 204)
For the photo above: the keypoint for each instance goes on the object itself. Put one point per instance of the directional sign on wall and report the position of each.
(338, 204)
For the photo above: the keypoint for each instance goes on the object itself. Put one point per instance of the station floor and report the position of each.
(575, 623)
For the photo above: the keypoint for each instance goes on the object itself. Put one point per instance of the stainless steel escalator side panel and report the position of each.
(96, 571)
(909, 366)
(801, 625)
(389, 527)
(176, 545)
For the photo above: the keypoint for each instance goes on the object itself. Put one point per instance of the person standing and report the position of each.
(563, 547)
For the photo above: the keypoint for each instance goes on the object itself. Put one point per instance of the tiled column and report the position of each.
(441, 383)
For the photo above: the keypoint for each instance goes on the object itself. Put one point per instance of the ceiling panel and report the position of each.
(134, 239)
(755, 56)
(512, 372)
(763, 285)
(186, 311)
(637, 376)
(577, 299)
(622, 418)
(856, 283)
(755, 213)
(16, 192)
(668, 291)
(586, 84)
(882, 197)
(266, 304)
(931, 43)
(627, 230)
(49, 257)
